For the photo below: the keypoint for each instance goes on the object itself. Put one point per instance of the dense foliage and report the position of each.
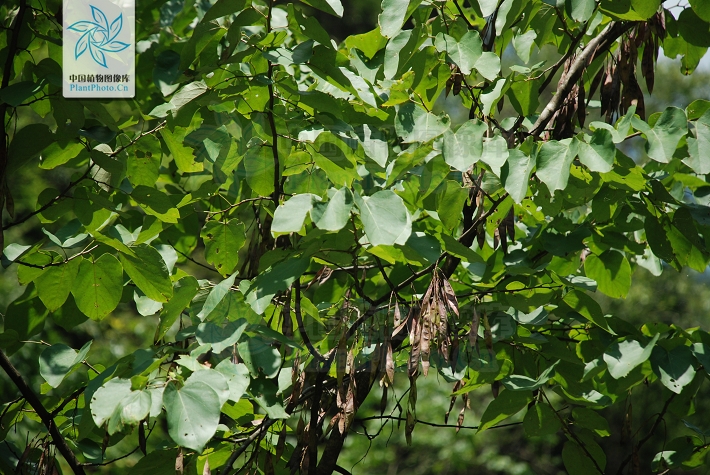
(302, 225)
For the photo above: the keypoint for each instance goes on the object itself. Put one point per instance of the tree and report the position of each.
(300, 231)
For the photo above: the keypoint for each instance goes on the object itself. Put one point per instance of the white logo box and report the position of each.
(99, 56)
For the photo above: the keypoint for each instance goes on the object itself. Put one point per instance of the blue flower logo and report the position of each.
(98, 36)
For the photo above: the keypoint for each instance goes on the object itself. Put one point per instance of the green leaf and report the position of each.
(223, 240)
(157, 462)
(214, 379)
(414, 124)
(167, 70)
(374, 143)
(222, 8)
(237, 376)
(580, 10)
(515, 174)
(215, 296)
(540, 421)
(488, 65)
(491, 95)
(98, 286)
(577, 461)
(488, 7)
(507, 403)
(701, 351)
(518, 382)
(192, 413)
(183, 292)
(657, 238)
(592, 420)
(663, 138)
(156, 203)
(612, 272)
(55, 283)
(220, 338)
(586, 306)
(633, 10)
(623, 356)
(701, 8)
(455, 248)
(397, 53)
(58, 154)
(183, 156)
(451, 202)
(26, 314)
(289, 216)
(334, 7)
(58, 360)
(385, 218)
(143, 165)
(523, 43)
(692, 28)
(280, 276)
(132, 410)
(464, 147)
(260, 357)
(15, 94)
(26, 144)
(148, 271)
(336, 158)
(674, 368)
(598, 155)
(699, 147)
(464, 52)
(553, 162)
(259, 167)
(333, 215)
(524, 97)
(107, 399)
(393, 15)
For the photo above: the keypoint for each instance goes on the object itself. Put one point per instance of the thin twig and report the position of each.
(43, 414)
(301, 327)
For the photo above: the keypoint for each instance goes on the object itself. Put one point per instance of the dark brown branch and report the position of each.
(235, 455)
(12, 48)
(463, 15)
(596, 46)
(567, 430)
(272, 123)
(64, 403)
(434, 424)
(556, 67)
(301, 326)
(384, 274)
(43, 414)
(641, 442)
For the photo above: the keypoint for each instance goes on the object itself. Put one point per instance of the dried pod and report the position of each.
(647, 66)
(581, 105)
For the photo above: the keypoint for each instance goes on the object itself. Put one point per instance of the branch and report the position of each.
(4, 140)
(272, 123)
(597, 45)
(301, 328)
(235, 455)
(648, 436)
(566, 428)
(45, 416)
(433, 424)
